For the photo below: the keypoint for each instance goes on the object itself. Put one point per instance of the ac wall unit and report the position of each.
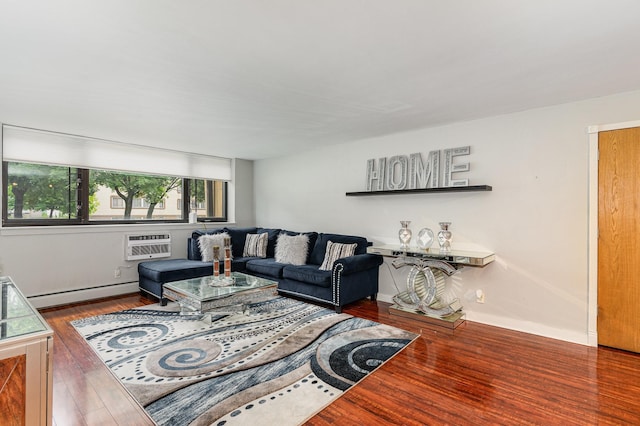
(147, 246)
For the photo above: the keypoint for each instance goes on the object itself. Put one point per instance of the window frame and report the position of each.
(83, 218)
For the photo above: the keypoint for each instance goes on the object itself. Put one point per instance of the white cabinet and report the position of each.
(26, 360)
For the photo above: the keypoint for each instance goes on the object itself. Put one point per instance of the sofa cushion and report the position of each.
(313, 236)
(292, 249)
(309, 274)
(273, 237)
(194, 249)
(208, 241)
(238, 237)
(255, 245)
(239, 264)
(336, 251)
(268, 267)
(317, 255)
(163, 271)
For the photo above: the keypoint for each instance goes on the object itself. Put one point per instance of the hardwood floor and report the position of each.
(480, 375)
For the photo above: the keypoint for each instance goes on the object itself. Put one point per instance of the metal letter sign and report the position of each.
(411, 172)
(421, 174)
(450, 168)
(397, 172)
(375, 176)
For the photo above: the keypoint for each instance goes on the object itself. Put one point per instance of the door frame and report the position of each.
(592, 242)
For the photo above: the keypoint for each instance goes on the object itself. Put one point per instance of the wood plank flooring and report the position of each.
(479, 375)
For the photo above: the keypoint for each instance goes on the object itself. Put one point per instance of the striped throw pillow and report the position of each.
(256, 245)
(336, 251)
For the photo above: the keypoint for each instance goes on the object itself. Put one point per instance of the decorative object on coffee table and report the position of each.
(444, 237)
(404, 234)
(227, 261)
(216, 263)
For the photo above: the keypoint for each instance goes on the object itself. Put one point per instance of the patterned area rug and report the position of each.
(278, 363)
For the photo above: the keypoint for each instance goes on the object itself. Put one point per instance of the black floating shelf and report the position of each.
(473, 188)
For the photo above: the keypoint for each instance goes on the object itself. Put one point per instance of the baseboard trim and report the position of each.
(83, 294)
(523, 326)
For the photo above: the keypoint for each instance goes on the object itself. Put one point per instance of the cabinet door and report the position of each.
(26, 372)
(13, 376)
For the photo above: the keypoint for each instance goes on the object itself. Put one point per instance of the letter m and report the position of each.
(423, 175)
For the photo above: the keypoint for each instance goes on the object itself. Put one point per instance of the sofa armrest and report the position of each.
(358, 263)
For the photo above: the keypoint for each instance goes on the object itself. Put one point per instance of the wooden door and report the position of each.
(619, 239)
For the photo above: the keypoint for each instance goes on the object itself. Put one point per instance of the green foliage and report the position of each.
(49, 189)
(197, 190)
(157, 188)
(128, 187)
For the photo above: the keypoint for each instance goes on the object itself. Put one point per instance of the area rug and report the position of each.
(277, 363)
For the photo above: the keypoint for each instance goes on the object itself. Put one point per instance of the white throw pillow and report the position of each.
(336, 251)
(292, 249)
(256, 245)
(206, 243)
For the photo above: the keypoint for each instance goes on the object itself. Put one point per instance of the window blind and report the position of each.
(22, 144)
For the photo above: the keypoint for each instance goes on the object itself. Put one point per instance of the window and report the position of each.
(117, 202)
(39, 194)
(138, 203)
(207, 198)
(52, 179)
(195, 205)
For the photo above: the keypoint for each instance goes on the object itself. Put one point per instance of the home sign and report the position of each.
(412, 172)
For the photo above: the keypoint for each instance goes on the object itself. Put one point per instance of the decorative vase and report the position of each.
(216, 263)
(404, 234)
(444, 237)
(425, 238)
(227, 258)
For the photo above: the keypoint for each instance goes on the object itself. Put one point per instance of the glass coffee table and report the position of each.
(199, 295)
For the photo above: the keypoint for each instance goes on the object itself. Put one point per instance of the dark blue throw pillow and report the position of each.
(238, 238)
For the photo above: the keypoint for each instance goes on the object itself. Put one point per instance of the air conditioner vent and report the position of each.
(147, 246)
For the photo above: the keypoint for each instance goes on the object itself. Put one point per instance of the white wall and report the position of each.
(63, 264)
(535, 219)
(240, 204)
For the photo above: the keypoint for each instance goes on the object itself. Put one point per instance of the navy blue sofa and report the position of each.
(350, 279)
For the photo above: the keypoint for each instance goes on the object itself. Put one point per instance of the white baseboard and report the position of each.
(81, 295)
(523, 326)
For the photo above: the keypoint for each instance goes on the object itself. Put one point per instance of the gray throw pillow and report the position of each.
(292, 249)
(336, 251)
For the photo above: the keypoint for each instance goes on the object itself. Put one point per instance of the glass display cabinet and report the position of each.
(26, 360)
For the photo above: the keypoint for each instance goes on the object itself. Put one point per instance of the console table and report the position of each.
(457, 258)
(421, 275)
(26, 361)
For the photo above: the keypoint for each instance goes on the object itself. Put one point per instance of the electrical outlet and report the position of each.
(116, 273)
(479, 296)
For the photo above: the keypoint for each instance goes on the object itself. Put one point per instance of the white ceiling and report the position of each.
(260, 78)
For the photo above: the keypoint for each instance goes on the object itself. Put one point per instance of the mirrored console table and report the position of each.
(425, 282)
(26, 361)
(455, 257)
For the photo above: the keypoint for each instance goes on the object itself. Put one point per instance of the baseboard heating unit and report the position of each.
(147, 246)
